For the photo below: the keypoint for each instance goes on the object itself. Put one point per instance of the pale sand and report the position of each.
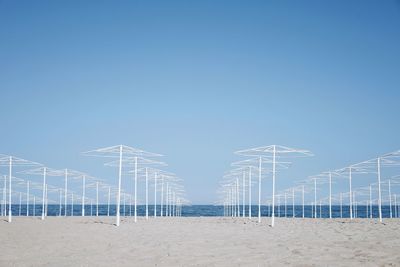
(76, 241)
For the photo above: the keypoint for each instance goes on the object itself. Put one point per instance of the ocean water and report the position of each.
(209, 210)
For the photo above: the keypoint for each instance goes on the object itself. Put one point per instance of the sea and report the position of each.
(360, 211)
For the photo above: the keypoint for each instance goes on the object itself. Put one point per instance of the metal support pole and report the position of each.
(155, 194)
(259, 190)
(350, 196)
(379, 189)
(119, 186)
(9, 191)
(273, 187)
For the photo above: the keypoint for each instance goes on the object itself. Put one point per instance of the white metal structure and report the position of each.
(274, 152)
(119, 152)
(374, 166)
(352, 169)
(249, 165)
(10, 162)
(45, 172)
(135, 162)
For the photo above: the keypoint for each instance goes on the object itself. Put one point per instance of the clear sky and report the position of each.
(198, 80)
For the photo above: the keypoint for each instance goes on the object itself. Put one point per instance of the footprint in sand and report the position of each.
(296, 252)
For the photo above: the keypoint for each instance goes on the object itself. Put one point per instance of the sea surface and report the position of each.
(208, 210)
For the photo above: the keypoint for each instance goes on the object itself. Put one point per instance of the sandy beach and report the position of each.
(217, 241)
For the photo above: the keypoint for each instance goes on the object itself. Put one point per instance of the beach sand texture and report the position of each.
(202, 241)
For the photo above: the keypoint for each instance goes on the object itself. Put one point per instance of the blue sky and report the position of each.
(197, 81)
